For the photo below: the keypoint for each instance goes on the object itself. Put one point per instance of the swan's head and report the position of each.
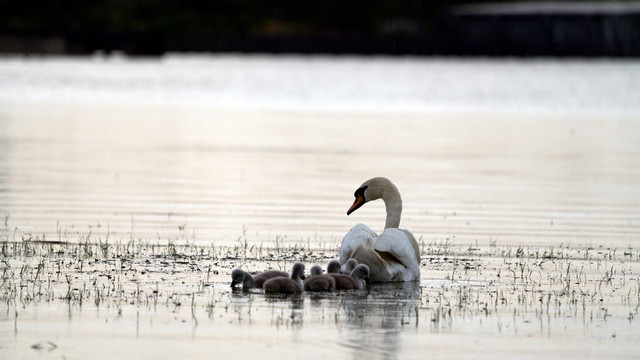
(371, 189)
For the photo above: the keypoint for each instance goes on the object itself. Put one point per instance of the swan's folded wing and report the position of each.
(359, 235)
(401, 244)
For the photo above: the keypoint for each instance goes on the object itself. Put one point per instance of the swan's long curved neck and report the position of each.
(393, 204)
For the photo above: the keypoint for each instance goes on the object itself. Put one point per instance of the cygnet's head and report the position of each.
(361, 272)
(350, 264)
(237, 277)
(333, 267)
(297, 271)
(316, 270)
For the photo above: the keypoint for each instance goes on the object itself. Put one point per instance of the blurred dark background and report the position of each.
(437, 27)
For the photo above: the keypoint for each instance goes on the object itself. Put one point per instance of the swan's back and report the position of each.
(359, 235)
(392, 256)
(400, 243)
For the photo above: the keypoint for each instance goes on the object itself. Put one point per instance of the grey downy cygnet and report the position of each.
(286, 285)
(248, 281)
(358, 279)
(319, 282)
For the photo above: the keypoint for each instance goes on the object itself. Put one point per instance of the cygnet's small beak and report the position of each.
(367, 281)
(233, 283)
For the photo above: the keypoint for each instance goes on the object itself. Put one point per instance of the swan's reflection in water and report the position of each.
(370, 322)
(286, 310)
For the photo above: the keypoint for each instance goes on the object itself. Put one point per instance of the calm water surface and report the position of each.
(207, 150)
(524, 151)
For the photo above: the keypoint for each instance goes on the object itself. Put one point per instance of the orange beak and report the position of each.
(356, 204)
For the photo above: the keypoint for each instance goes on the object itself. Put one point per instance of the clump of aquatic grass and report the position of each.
(472, 281)
(104, 272)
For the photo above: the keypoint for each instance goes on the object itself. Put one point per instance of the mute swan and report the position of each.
(319, 282)
(248, 281)
(394, 254)
(285, 285)
(358, 278)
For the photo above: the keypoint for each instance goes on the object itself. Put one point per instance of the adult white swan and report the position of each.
(393, 255)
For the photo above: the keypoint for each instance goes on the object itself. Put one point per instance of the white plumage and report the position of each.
(394, 254)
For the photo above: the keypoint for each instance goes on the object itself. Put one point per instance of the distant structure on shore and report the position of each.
(583, 29)
(545, 28)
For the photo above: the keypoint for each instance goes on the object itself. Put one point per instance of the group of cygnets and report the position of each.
(351, 276)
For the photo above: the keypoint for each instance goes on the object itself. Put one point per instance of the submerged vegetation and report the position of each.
(506, 287)
(140, 289)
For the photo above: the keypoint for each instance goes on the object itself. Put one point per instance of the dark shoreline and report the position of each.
(149, 45)
(527, 29)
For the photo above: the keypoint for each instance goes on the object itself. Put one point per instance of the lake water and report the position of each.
(329, 83)
(521, 151)
(499, 162)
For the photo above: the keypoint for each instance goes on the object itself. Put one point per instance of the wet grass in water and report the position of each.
(495, 288)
